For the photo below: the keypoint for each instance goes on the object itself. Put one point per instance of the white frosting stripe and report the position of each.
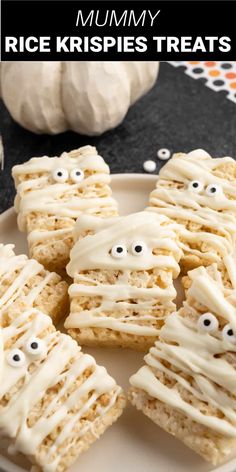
(124, 292)
(87, 319)
(230, 264)
(46, 203)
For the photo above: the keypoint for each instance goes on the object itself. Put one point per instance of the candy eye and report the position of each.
(138, 248)
(213, 189)
(16, 358)
(208, 322)
(35, 346)
(195, 186)
(163, 154)
(77, 175)
(119, 251)
(228, 334)
(60, 175)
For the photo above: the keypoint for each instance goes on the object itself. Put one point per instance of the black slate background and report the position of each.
(179, 113)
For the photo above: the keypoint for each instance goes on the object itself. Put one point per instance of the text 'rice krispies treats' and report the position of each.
(123, 274)
(187, 385)
(199, 192)
(22, 277)
(54, 400)
(52, 193)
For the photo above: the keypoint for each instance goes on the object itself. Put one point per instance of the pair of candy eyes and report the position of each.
(62, 175)
(211, 190)
(138, 248)
(208, 322)
(34, 347)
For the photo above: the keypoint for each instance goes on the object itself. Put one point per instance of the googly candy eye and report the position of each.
(213, 189)
(77, 175)
(208, 322)
(16, 358)
(118, 251)
(195, 186)
(35, 346)
(163, 154)
(138, 248)
(228, 334)
(60, 175)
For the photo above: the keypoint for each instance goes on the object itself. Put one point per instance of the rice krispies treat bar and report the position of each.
(22, 277)
(52, 193)
(123, 274)
(199, 192)
(188, 383)
(54, 400)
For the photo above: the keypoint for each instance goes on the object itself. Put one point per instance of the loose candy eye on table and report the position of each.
(163, 154)
(149, 166)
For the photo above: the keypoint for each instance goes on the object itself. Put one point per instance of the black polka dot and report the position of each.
(197, 70)
(226, 65)
(119, 249)
(59, 174)
(195, 184)
(218, 83)
(230, 332)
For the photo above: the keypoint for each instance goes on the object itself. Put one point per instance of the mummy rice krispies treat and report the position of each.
(199, 192)
(123, 270)
(22, 277)
(54, 400)
(52, 193)
(188, 383)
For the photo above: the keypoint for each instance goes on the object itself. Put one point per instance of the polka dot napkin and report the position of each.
(217, 75)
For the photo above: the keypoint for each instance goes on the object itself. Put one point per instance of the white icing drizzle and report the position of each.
(215, 212)
(93, 252)
(60, 362)
(26, 268)
(42, 194)
(195, 354)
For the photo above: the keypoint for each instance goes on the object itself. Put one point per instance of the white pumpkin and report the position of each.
(87, 97)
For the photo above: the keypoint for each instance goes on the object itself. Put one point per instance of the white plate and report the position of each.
(134, 443)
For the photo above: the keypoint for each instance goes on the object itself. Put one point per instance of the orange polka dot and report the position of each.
(194, 62)
(230, 75)
(214, 73)
(233, 85)
(210, 64)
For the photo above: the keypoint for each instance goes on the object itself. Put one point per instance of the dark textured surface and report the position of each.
(179, 113)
